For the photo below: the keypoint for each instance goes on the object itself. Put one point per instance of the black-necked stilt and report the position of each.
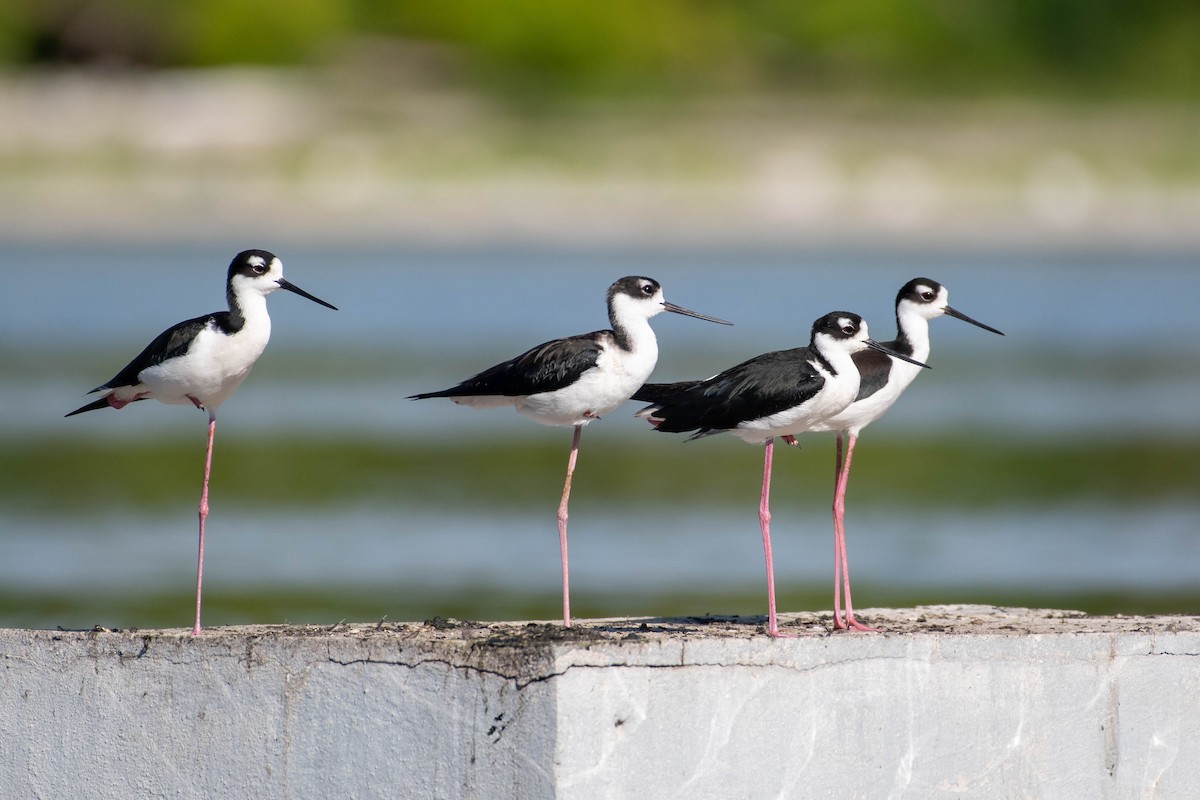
(884, 378)
(783, 393)
(203, 360)
(578, 379)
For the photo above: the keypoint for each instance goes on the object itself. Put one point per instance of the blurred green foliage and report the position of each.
(569, 47)
(67, 476)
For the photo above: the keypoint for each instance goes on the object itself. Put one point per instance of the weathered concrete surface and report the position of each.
(947, 702)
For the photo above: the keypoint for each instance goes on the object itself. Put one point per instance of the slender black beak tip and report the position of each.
(874, 345)
(293, 288)
(674, 309)
(959, 315)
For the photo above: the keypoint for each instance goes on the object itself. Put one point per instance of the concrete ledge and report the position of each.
(946, 702)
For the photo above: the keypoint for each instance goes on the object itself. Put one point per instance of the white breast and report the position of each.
(837, 393)
(212, 369)
(617, 375)
(862, 413)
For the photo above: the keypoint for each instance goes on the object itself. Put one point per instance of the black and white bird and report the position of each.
(883, 379)
(578, 379)
(202, 361)
(783, 393)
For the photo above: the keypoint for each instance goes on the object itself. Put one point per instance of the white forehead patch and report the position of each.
(846, 322)
(257, 261)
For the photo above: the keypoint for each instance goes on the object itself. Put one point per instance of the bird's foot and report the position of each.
(118, 403)
(773, 629)
(852, 624)
(789, 439)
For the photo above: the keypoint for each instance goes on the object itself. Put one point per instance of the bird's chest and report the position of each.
(836, 392)
(597, 391)
(619, 373)
(214, 365)
(628, 369)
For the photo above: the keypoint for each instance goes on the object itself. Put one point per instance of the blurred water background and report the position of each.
(462, 195)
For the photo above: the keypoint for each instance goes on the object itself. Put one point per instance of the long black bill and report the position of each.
(291, 287)
(874, 345)
(975, 322)
(681, 310)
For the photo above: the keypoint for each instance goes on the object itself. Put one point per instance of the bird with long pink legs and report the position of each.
(578, 379)
(202, 361)
(777, 394)
(884, 377)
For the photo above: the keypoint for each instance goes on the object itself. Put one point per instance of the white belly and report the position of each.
(212, 369)
(834, 397)
(597, 392)
(862, 413)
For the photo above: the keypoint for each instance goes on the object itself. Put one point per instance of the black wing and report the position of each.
(172, 342)
(545, 368)
(874, 368)
(762, 386)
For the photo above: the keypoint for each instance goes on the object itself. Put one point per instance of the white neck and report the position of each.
(914, 326)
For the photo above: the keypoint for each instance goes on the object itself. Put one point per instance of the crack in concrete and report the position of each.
(468, 668)
(521, 683)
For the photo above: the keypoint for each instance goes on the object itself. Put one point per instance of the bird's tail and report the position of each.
(92, 406)
(660, 393)
(647, 414)
(672, 408)
(427, 395)
(106, 401)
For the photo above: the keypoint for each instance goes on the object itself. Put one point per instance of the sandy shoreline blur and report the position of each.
(185, 155)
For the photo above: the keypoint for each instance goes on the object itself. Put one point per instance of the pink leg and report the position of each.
(212, 428)
(837, 561)
(842, 566)
(764, 521)
(562, 525)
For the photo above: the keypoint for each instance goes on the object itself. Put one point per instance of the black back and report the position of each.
(171, 343)
(548, 367)
(875, 367)
(762, 386)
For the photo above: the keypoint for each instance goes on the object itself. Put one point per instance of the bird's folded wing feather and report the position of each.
(764, 385)
(546, 368)
(172, 342)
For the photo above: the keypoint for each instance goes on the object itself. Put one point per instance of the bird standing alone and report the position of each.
(577, 379)
(202, 361)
